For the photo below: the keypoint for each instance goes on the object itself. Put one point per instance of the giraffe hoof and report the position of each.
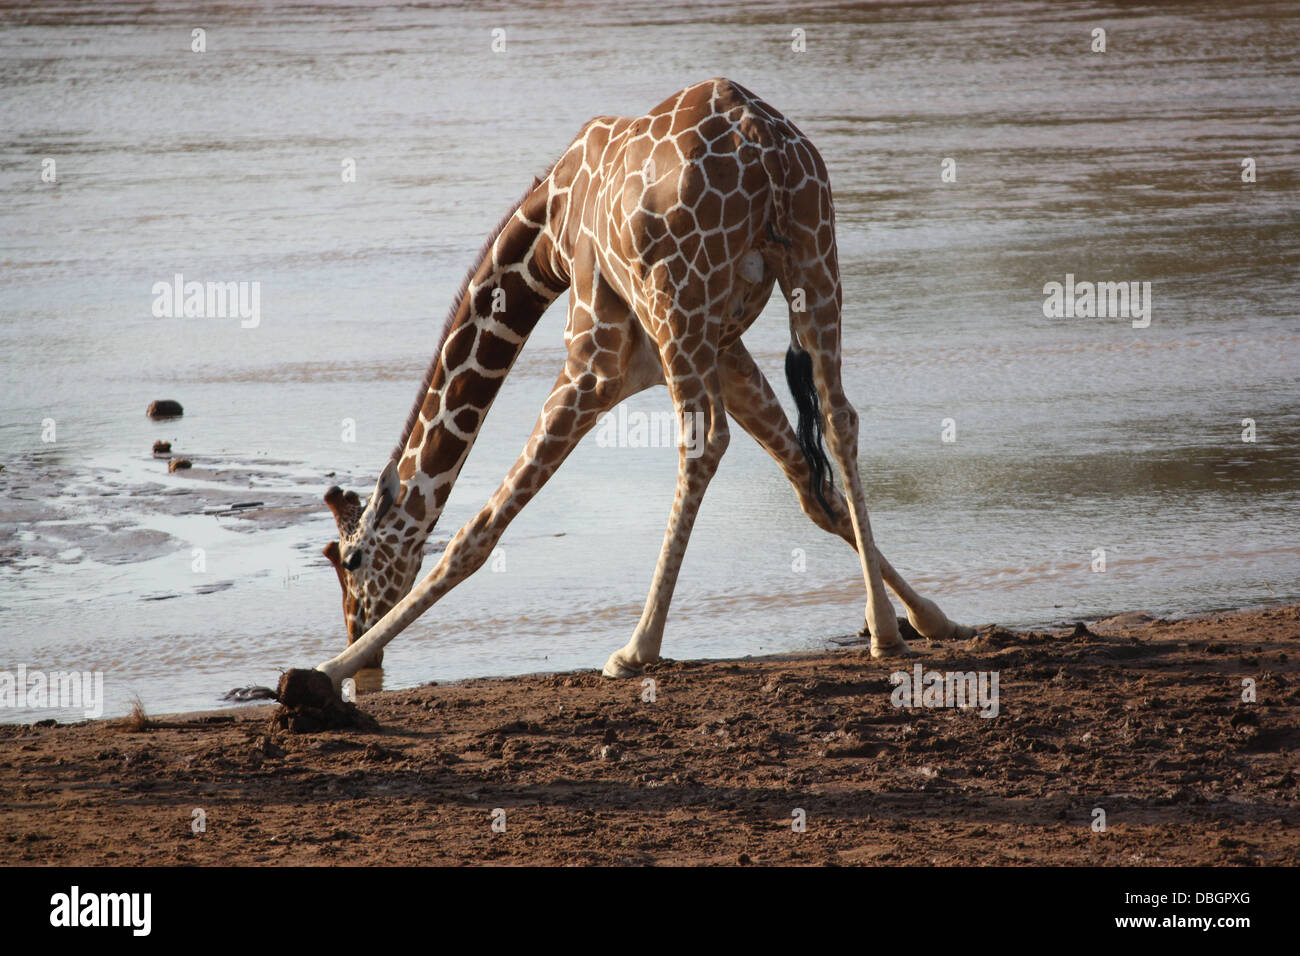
(619, 667)
(896, 648)
(947, 631)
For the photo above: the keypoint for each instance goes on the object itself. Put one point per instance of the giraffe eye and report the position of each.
(353, 561)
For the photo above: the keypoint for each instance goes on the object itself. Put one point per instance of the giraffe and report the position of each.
(669, 231)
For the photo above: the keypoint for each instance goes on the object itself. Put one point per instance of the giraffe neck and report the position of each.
(519, 276)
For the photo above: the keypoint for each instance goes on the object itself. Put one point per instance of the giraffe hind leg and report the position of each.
(751, 401)
(693, 382)
(816, 327)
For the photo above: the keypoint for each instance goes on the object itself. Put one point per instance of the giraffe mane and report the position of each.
(447, 324)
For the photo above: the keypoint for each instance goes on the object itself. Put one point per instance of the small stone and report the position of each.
(165, 408)
(1243, 717)
(162, 447)
(179, 464)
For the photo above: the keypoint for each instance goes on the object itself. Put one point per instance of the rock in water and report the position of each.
(244, 695)
(162, 448)
(179, 464)
(165, 408)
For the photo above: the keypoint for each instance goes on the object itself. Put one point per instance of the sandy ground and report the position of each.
(1141, 719)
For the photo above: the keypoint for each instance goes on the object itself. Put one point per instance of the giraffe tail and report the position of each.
(799, 376)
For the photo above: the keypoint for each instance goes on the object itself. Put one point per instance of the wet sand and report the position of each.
(1142, 719)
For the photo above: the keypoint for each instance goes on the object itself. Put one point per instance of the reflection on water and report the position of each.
(1072, 435)
(369, 679)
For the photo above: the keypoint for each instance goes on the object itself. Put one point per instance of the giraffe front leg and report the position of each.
(623, 664)
(588, 385)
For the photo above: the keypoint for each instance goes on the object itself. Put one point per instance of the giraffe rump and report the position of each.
(799, 375)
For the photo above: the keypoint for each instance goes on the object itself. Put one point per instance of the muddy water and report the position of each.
(1072, 434)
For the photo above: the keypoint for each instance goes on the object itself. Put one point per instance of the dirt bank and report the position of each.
(1143, 720)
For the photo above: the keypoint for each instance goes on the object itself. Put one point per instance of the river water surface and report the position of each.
(1071, 434)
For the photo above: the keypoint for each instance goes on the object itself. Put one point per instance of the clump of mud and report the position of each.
(309, 704)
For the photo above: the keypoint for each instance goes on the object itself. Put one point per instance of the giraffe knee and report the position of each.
(719, 437)
(842, 431)
(467, 559)
(813, 509)
(470, 548)
(844, 420)
(705, 444)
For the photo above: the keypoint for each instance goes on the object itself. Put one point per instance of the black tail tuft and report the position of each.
(799, 375)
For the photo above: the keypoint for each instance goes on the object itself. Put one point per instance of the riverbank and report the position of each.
(1143, 720)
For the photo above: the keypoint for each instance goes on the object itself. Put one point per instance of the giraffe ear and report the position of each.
(346, 507)
(387, 488)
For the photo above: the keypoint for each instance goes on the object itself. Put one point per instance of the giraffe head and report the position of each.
(373, 568)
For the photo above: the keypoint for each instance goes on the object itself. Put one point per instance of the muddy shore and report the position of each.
(1141, 719)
